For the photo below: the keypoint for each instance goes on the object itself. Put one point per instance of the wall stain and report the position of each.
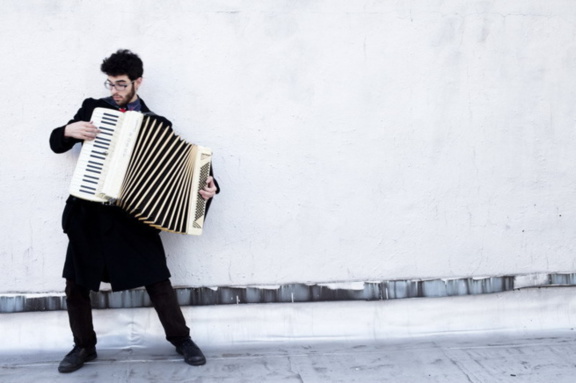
(295, 293)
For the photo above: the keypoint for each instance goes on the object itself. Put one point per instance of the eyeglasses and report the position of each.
(120, 86)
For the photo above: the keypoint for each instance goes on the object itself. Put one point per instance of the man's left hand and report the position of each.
(209, 190)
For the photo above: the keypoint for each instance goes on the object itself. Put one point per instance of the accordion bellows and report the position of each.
(142, 166)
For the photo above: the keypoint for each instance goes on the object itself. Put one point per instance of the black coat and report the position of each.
(105, 243)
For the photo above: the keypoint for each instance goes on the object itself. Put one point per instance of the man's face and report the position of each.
(124, 96)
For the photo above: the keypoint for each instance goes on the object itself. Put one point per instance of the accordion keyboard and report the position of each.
(90, 171)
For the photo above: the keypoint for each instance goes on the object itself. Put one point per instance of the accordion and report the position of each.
(139, 164)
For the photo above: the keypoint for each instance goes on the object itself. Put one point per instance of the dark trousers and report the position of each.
(163, 299)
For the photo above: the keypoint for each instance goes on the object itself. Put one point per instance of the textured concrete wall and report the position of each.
(353, 140)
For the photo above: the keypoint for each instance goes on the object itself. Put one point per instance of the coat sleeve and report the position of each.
(58, 142)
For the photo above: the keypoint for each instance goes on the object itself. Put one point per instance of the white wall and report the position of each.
(353, 140)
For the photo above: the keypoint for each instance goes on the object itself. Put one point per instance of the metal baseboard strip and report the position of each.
(297, 292)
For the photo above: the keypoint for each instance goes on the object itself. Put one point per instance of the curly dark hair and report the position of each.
(123, 62)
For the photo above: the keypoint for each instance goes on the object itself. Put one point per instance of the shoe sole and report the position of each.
(199, 363)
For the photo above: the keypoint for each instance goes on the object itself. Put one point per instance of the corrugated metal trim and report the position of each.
(298, 292)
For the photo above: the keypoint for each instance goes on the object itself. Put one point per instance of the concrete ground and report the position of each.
(531, 358)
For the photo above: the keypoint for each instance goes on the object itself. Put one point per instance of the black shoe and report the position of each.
(76, 358)
(192, 354)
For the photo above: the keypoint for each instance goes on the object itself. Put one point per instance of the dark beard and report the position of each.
(128, 97)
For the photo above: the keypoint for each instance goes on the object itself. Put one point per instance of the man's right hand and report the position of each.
(81, 130)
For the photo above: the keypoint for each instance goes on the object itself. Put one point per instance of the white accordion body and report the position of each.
(140, 165)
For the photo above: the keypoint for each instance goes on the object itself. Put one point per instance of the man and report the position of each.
(105, 243)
